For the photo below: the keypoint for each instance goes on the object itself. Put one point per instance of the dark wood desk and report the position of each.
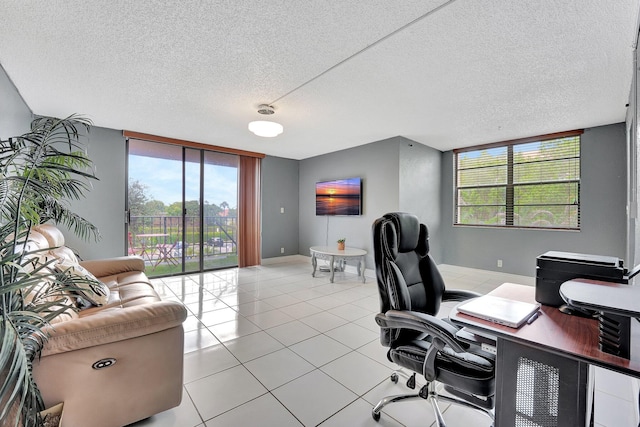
(542, 367)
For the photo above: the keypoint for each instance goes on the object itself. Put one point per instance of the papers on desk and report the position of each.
(500, 310)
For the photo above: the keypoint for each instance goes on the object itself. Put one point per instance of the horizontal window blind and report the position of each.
(532, 184)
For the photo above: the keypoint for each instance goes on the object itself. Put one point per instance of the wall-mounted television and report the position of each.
(339, 197)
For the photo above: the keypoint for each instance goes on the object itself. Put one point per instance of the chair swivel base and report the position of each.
(429, 393)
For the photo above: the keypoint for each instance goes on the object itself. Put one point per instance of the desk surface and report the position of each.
(331, 250)
(572, 336)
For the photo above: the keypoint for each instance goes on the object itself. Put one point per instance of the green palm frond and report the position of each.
(42, 169)
(61, 214)
(17, 390)
(40, 172)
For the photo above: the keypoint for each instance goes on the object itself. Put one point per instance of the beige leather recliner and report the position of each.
(118, 363)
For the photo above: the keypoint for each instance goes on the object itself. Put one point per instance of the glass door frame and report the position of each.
(201, 154)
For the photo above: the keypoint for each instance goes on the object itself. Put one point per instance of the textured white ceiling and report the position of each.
(471, 72)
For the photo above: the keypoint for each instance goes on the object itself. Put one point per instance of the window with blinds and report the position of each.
(527, 183)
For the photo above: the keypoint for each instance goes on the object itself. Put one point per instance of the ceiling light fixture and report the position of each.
(265, 128)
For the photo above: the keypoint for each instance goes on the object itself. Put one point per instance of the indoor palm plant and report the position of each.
(40, 172)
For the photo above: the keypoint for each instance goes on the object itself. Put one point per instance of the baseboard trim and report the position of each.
(286, 258)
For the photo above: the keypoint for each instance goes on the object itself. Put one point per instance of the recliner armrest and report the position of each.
(421, 322)
(112, 266)
(107, 326)
(459, 295)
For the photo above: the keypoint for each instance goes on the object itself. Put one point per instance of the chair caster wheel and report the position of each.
(376, 416)
(424, 392)
(394, 378)
(411, 383)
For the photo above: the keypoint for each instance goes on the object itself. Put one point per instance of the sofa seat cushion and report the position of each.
(44, 293)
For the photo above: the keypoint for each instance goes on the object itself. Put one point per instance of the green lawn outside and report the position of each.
(165, 269)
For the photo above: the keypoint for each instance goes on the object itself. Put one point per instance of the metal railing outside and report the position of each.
(164, 242)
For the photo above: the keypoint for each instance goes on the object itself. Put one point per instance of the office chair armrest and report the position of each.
(458, 295)
(421, 322)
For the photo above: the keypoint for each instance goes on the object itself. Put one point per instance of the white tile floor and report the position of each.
(273, 346)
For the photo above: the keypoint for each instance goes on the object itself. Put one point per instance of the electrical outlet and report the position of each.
(500, 263)
(281, 210)
(281, 250)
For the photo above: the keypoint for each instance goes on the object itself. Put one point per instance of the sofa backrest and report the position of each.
(55, 241)
(52, 233)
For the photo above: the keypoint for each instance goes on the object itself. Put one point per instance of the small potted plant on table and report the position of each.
(341, 244)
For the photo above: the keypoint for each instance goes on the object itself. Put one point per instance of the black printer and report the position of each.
(553, 268)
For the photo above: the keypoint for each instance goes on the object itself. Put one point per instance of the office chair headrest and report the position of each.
(408, 234)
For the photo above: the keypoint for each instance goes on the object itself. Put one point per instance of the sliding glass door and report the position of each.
(155, 220)
(182, 207)
(220, 195)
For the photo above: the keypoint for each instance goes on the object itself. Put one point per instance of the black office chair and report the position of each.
(411, 290)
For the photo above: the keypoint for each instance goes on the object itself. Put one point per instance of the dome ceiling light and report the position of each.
(264, 128)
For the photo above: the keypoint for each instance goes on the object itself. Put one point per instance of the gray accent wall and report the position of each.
(398, 175)
(15, 114)
(104, 205)
(279, 192)
(377, 165)
(420, 187)
(603, 214)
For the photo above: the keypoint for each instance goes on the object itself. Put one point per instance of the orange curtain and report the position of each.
(249, 212)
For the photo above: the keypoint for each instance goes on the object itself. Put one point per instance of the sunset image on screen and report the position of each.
(339, 197)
